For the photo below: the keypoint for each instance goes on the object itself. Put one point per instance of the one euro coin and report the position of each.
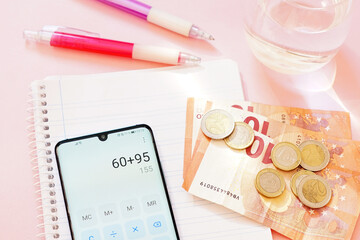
(270, 183)
(296, 179)
(286, 156)
(217, 124)
(314, 155)
(314, 191)
(242, 136)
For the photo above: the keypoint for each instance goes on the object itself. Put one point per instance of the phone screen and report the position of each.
(114, 187)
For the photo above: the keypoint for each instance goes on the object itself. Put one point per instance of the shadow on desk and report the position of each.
(342, 95)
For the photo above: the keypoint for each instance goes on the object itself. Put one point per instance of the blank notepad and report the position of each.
(70, 106)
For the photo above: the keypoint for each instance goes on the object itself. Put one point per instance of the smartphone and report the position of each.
(114, 187)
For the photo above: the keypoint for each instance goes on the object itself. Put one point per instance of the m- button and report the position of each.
(130, 208)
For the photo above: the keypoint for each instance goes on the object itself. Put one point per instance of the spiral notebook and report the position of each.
(70, 106)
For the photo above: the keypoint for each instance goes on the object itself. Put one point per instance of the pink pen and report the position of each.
(86, 41)
(159, 18)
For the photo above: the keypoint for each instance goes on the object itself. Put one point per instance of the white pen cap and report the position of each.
(37, 36)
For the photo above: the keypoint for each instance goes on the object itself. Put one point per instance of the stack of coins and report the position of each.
(296, 179)
(219, 124)
(312, 190)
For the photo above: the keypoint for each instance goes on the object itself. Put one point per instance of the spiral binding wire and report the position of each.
(41, 159)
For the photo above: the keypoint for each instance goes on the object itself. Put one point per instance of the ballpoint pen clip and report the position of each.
(70, 30)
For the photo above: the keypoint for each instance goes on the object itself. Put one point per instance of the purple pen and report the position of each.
(159, 18)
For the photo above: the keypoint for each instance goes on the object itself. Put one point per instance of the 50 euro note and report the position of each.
(332, 123)
(227, 177)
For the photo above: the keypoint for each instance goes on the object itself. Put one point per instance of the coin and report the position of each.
(296, 179)
(217, 124)
(242, 136)
(314, 191)
(286, 156)
(315, 156)
(269, 182)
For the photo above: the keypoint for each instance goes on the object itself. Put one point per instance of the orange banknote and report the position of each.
(226, 176)
(331, 123)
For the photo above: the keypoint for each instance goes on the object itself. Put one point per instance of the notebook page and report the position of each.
(80, 105)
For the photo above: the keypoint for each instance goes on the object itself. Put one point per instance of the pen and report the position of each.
(86, 41)
(160, 18)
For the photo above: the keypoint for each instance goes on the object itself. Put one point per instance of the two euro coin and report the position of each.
(314, 191)
(314, 155)
(219, 124)
(286, 156)
(242, 136)
(296, 179)
(270, 183)
(311, 155)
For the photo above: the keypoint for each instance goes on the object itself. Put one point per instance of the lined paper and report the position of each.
(80, 105)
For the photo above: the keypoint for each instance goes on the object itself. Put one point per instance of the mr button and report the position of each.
(151, 203)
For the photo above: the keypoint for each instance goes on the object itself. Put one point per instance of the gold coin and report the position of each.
(296, 179)
(314, 191)
(269, 182)
(314, 155)
(217, 124)
(286, 156)
(242, 136)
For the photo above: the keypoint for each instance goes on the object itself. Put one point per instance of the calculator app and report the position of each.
(114, 188)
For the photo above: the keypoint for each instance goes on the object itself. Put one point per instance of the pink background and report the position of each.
(22, 63)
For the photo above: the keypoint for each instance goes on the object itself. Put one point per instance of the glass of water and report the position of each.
(296, 36)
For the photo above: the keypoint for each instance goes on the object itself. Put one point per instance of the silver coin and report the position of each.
(217, 124)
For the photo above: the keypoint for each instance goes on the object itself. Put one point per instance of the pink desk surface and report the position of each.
(22, 63)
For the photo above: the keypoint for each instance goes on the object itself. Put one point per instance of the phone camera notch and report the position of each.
(103, 137)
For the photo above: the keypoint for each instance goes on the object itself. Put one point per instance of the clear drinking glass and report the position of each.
(296, 36)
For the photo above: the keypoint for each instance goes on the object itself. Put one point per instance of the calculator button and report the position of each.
(151, 203)
(108, 213)
(130, 208)
(135, 229)
(113, 232)
(156, 224)
(86, 217)
(92, 234)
